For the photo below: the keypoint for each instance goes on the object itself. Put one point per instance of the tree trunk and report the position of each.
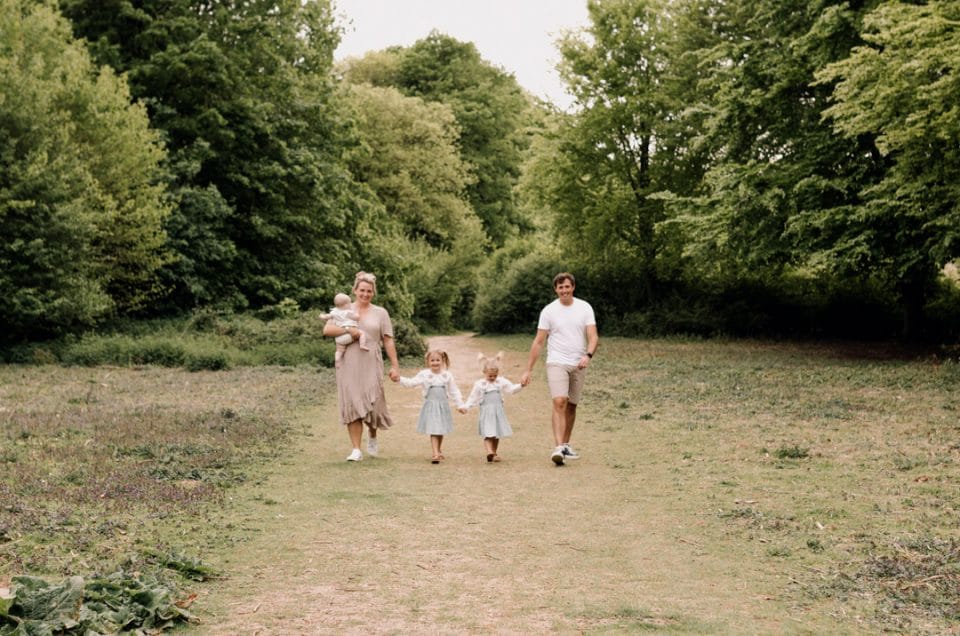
(913, 296)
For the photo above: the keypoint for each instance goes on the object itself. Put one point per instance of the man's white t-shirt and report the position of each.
(566, 327)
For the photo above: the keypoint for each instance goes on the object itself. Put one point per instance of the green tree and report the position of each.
(408, 157)
(607, 162)
(244, 95)
(515, 284)
(81, 199)
(900, 89)
(491, 110)
(778, 185)
(376, 68)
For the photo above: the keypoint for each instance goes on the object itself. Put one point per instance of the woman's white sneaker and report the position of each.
(355, 456)
(372, 447)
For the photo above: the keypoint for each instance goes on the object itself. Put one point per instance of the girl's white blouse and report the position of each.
(427, 379)
(481, 386)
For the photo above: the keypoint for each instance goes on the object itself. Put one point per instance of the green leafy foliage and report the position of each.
(231, 341)
(603, 162)
(776, 174)
(207, 341)
(246, 101)
(410, 344)
(102, 605)
(900, 89)
(704, 157)
(724, 158)
(490, 109)
(408, 157)
(516, 286)
(189, 567)
(81, 203)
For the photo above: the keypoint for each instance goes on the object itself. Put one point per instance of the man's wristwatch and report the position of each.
(589, 355)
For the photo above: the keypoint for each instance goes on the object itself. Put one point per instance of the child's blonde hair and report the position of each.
(443, 356)
(490, 364)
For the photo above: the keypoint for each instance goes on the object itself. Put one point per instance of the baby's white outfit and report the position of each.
(345, 319)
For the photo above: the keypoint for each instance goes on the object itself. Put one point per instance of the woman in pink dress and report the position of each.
(360, 375)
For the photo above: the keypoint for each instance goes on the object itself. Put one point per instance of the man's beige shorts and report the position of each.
(565, 380)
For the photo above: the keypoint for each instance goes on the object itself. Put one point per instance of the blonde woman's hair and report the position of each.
(365, 277)
(443, 355)
(489, 364)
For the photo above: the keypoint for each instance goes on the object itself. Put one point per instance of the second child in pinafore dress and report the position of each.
(492, 423)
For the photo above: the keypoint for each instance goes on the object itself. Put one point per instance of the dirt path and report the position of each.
(397, 545)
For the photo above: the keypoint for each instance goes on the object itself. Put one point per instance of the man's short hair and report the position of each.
(562, 276)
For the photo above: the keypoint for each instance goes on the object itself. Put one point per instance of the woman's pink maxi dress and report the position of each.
(360, 376)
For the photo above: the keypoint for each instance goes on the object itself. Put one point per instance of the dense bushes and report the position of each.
(516, 284)
(81, 211)
(794, 308)
(206, 341)
(515, 288)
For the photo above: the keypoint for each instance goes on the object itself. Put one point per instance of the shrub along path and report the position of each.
(397, 545)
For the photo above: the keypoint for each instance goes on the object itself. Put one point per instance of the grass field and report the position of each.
(725, 487)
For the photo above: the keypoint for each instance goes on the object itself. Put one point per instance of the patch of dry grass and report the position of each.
(106, 467)
(834, 466)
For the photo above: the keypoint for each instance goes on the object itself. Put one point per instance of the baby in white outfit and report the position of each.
(343, 316)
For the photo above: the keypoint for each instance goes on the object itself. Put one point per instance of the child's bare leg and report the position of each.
(338, 356)
(491, 444)
(363, 342)
(435, 442)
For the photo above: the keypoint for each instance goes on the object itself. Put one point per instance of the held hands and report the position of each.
(462, 409)
(584, 362)
(394, 374)
(525, 378)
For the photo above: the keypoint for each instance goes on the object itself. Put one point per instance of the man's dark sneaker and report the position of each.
(569, 453)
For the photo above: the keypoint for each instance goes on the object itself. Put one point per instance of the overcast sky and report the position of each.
(517, 35)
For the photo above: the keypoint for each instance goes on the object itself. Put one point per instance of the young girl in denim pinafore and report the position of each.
(488, 392)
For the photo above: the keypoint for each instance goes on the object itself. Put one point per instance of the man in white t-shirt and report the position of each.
(570, 330)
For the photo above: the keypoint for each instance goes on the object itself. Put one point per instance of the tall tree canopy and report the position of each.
(741, 162)
(775, 172)
(608, 164)
(81, 199)
(490, 108)
(704, 155)
(901, 89)
(244, 95)
(408, 156)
